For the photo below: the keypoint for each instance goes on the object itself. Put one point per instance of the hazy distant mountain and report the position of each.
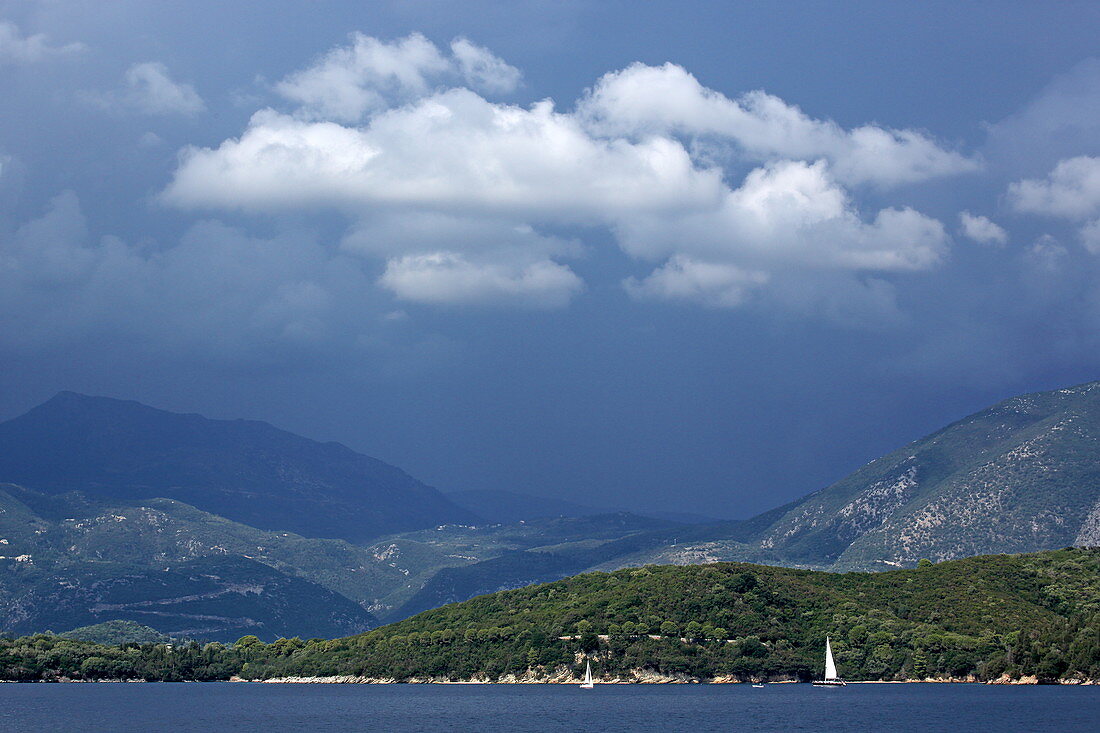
(533, 552)
(215, 598)
(47, 534)
(1021, 476)
(508, 507)
(52, 531)
(245, 470)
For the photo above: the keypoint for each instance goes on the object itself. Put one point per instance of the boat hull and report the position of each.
(830, 683)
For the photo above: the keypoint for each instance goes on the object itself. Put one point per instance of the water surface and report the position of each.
(476, 708)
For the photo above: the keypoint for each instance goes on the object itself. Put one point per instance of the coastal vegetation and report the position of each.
(984, 618)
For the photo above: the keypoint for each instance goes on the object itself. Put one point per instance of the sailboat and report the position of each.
(588, 684)
(831, 680)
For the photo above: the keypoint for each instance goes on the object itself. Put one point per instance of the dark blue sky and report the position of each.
(667, 290)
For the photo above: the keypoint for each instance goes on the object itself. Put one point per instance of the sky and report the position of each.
(695, 256)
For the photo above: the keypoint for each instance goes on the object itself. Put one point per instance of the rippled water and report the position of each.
(695, 708)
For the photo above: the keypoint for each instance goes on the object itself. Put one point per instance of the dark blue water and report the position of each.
(476, 708)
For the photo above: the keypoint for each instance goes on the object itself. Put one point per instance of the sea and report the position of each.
(121, 707)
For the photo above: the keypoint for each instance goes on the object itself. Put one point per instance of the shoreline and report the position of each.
(650, 679)
(565, 676)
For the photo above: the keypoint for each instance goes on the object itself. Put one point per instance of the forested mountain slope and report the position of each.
(984, 617)
(994, 617)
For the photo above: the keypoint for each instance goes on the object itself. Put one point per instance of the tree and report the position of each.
(920, 664)
(247, 642)
(587, 637)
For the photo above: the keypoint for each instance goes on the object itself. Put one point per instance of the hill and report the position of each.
(113, 633)
(211, 598)
(244, 470)
(993, 618)
(52, 532)
(985, 616)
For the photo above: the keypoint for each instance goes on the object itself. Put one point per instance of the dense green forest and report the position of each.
(984, 617)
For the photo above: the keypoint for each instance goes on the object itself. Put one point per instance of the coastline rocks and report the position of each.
(1004, 679)
(564, 676)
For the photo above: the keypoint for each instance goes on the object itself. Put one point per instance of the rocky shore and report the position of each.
(564, 676)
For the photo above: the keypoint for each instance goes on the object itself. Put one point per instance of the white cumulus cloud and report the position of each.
(370, 74)
(454, 151)
(482, 70)
(790, 214)
(449, 277)
(464, 198)
(1071, 190)
(682, 278)
(981, 229)
(646, 100)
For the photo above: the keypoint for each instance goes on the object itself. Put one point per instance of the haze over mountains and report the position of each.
(1021, 476)
(511, 506)
(245, 470)
(223, 523)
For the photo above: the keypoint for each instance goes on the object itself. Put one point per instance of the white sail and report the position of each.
(588, 684)
(830, 666)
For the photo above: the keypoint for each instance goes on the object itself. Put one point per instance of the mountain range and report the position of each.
(101, 488)
(1020, 476)
(244, 470)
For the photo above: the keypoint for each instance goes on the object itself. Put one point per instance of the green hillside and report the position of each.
(112, 633)
(984, 617)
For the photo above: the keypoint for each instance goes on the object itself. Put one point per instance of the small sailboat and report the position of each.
(588, 684)
(831, 680)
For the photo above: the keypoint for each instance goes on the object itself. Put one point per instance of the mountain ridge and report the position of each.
(1036, 481)
(245, 470)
